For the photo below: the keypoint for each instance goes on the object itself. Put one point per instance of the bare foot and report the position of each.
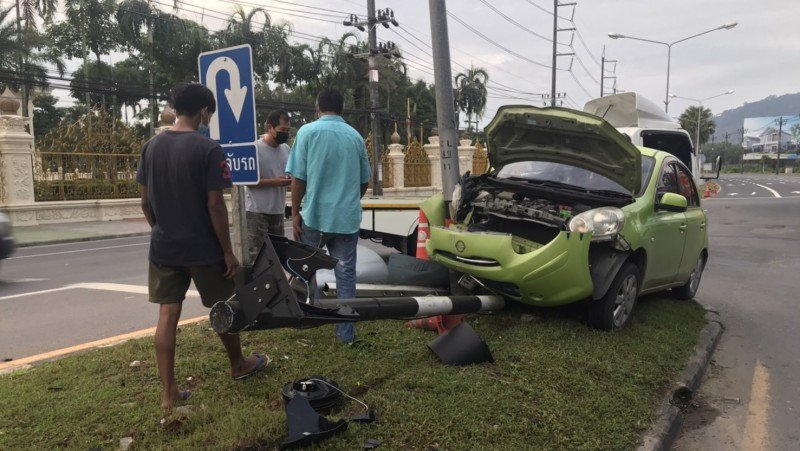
(172, 396)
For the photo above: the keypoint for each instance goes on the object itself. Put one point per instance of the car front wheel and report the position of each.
(688, 290)
(613, 310)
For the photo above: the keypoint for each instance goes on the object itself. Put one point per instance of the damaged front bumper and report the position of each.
(555, 273)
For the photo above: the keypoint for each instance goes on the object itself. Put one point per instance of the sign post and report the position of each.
(228, 73)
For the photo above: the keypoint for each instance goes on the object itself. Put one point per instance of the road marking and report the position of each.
(795, 192)
(753, 193)
(774, 193)
(78, 250)
(755, 430)
(733, 194)
(110, 341)
(119, 287)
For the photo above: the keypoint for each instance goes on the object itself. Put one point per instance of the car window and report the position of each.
(668, 183)
(686, 187)
(557, 172)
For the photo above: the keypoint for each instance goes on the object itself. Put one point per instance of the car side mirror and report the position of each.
(672, 202)
(717, 167)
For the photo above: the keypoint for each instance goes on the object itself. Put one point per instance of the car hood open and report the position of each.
(560, 135)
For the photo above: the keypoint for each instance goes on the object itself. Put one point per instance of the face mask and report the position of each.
(282, 137)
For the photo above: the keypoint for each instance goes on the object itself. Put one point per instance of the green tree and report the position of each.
(89, 27)
(689, 119)
(47, 115)
(472, 93)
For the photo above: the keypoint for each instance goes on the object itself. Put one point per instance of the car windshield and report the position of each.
(545, 171)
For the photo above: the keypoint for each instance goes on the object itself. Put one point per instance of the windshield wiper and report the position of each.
(549, 183)
(610, 192)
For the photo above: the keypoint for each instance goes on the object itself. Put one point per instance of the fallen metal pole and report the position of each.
(229, 317)
(265, 300)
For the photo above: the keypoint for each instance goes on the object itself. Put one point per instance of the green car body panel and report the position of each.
(664, 244)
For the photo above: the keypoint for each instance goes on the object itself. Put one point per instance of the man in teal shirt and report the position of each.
(330, 171)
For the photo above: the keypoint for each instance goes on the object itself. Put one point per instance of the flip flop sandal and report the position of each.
(263, 363)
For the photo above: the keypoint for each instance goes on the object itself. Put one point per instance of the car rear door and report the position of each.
(665, 233)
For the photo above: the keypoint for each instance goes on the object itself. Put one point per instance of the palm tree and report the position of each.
(689, 119)
(24, 53)
(471, 89)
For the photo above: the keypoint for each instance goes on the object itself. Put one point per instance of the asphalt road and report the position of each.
(57, 296)
(751, 398)
(750, 186)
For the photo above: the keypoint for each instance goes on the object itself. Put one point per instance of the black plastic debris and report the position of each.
(461, 345)
(306, 426)
(322, 396)
(372, 443)
(370, 416)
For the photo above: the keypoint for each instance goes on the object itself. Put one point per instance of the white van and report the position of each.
(646, 124)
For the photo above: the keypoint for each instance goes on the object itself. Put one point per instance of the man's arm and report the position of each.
(298, 192)
(364, 187)
(273, 182)
(145, 202)
(219, 219)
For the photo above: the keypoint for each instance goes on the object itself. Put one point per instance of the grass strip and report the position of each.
(556, 384)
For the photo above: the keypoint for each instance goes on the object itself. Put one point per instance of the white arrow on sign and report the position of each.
(236, 95)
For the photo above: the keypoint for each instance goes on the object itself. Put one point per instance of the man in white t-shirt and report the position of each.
(265, 202)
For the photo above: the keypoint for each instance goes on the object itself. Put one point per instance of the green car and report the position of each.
(572, 210)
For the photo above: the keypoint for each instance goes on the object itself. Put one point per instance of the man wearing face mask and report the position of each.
(265, 202)
(181, 175)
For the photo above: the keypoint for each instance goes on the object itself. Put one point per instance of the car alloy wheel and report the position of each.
(625, 300)
(689, 289)
(615, 308)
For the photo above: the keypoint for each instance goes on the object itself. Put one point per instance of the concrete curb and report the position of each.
(667, 426)
(81, 239)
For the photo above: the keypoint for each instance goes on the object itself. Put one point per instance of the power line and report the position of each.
(500, 46)
(519, 25)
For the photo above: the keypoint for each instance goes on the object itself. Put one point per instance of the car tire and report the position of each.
(688, 290)
(615, 308)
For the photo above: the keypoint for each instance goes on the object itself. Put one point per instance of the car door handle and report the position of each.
(702, 225)
(683, 227)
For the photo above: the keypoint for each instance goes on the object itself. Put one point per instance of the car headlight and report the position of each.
(604, 222)
(454, 203)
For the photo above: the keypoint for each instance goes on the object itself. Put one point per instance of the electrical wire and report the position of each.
(495, 43)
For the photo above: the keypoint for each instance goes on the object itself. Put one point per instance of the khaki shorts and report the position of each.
(168, 284)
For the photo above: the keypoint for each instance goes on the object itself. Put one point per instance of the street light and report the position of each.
(669, 45)
(699, 111)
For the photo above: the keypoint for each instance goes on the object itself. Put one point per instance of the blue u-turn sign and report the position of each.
(228, 73)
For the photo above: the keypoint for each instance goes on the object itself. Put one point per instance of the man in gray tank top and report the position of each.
(265, 202)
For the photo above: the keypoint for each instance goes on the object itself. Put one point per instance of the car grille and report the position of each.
(476, 261)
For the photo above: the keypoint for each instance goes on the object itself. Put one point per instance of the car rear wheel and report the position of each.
(614, 310)
(688, 290)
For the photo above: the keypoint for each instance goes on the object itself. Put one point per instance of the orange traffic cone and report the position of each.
(423, 232)
(439, 324)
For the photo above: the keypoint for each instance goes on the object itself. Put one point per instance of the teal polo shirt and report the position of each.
(331, 157)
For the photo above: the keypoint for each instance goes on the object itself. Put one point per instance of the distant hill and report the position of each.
(731, 120)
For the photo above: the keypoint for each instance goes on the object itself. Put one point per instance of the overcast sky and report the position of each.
(757, 58)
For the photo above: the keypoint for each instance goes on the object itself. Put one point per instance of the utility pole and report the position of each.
(603, 75)
(556, 4)
(384, 17)
(780, 122)
(445, 105)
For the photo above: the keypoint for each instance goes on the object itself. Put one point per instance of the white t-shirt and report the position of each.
(272, 163)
